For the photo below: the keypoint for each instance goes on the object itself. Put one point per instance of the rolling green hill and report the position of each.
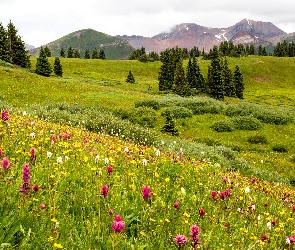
(114, 47)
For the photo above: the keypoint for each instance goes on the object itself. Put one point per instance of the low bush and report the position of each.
(148, 103)
(279, 148)
(256, 139)
(223, 126)
(246, 123)
(177, 112)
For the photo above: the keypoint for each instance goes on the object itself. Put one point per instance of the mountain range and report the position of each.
(185, 35)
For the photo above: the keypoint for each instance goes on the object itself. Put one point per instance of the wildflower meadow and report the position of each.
(68, 188)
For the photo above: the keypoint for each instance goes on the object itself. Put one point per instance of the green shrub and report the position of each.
(177, 112)
(279, 148)
(223, 126)
(246, 123)
(148, 103)
(256, 139)
(207, 141)
(5, 64)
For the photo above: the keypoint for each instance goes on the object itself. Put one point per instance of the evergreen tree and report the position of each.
(62, 52)
(252, 49)
(180, 86)
(228, 84)
(215, 83)
(101, 54)
(4, 51)
(153, 56)
(42, 66)
(239, 82)
(76, 54)
(57, 68)
(87, 54)
(70, 52)
(262, 51)
(94, 54)
(130, 77)
(47, 51)
(166, 73)
(199, 78)
(291, 50)
(17, 50)
(169, 126)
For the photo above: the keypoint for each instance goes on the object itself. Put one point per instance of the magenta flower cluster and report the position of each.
(104, 191)
(4, 115)
(26, 179)
(118, 224)
(146, 192)
(194, 233)
(5, 164)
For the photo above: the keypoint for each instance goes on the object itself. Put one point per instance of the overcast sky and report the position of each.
(40, 22)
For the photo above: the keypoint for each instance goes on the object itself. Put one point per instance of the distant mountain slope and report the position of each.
(114, 47)
(188, 35)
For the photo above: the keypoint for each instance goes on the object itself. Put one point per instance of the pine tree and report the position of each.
(101, 54)
(70, 52)
(239, 82)
(130, 78)
(180, 86)
(42, 66)
(17, 50)
(94, 54)
(4, 51)
(252, 49)
(76, 54)
(166, 73)
(87, 54)
(215, 83)
(57, 68)
(169, 126)
(199, 80)
(62, 52)
(229, 87)
(47, 52)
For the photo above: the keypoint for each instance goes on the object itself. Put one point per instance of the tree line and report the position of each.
(220, 82)
(284, 49)
(12, 47)
(75, 53)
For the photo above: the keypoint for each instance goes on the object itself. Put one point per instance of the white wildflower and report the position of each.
(268, 225)
(106, 161)
(49, 154)
(59, 160)
(247, 190)
(33, 134)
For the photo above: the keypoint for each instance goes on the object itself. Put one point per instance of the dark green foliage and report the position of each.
(223, 126)
(57, 68)
(87, 54)
(279, 148)
(239, 83)
(148, 103)
(153, 56)
(228, 84)
(70, 52)
(47, 51)
(17, 51)
(257, 139)
(284, 49)
(177, 112)
(43, 67)
(130, 78)
(195, 78)
(166, 74)
(94, 54)
(144, 116)
(62, 52)
(4, 45)
(261, 51)
(180, 86)
(76, 54)
(215, 82)
(136, 54)
(143, 58)
(101, 54)
(169, 126)
(194, 52)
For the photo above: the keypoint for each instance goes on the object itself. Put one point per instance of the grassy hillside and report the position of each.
(114, 47)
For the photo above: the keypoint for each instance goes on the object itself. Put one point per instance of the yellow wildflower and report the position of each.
(57, 245)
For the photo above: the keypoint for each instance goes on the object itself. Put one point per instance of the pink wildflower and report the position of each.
(110, 169)
(4, 115)
(264, 237)
(227, 193)
(213, 194)
(222, 195)
(201, 211)
(67, 136)
(53, 139)
(36, 187)
(26, 179)
(293, 208)
(224, 179)
(33, 155)
(104, 190)
(176, 204)
(5, 163)
(42, 206)
(180, 240)
(1, 152)
(118, 224)
(146, 192)
(195, 232)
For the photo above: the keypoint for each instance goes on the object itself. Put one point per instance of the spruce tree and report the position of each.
(94, 54)
(101, 54)
(62, 52)
(166, 73)
(42, 66)
(76, 54)
(87, 54)
(47, 51)
(169, 126)
(215, 83)
(4, 51)
(70, 52)
(239, 82)
(130, 78)
(229, 86)
(57, 68)
(17, 50)
(180, 86)
(198, 80)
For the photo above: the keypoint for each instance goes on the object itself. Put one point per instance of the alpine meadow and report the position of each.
(124, 154)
